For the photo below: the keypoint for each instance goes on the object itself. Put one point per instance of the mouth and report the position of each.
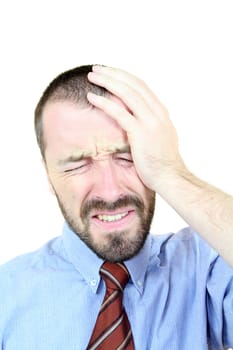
(113, 221)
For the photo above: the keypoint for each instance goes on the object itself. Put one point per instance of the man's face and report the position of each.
(91, 172)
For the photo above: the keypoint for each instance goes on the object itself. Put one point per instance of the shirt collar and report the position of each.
(137, 266)
(88, 263)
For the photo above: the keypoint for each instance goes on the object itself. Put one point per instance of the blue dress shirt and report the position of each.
(179, 297)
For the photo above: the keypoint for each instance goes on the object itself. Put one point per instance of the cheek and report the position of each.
(138, 187)
(70, 192)
(133, 181)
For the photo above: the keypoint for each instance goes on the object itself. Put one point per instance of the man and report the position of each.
(108, 146)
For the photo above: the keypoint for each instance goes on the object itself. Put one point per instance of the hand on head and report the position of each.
(152, 137)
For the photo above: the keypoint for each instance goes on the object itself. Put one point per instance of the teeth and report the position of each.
(109, 218)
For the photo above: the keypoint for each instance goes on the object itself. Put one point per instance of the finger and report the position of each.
(119, 74)
(132, 81)
(127, 94)
(114, 110)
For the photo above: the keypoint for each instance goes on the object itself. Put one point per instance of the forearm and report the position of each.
(205, 208)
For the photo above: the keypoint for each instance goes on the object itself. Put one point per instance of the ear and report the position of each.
(47, 175)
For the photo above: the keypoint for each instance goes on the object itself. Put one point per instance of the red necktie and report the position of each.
(112, 329)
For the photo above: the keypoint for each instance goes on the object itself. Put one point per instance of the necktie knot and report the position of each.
(115, 275)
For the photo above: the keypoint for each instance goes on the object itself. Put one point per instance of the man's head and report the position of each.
(71, 86)
(90, 168)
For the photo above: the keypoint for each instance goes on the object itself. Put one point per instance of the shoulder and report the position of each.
(186, 255)
(185, 237)
(46, 255)
(27, 278)
(185, 246)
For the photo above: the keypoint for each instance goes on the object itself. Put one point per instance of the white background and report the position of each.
(182, 49)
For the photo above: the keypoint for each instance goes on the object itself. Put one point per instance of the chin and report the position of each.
(119, 246)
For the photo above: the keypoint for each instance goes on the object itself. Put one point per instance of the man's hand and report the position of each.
(154, 147)
(151, 135)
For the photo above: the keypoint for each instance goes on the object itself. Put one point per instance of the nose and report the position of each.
(107, 182)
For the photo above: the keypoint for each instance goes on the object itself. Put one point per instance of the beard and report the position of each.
(120, 245)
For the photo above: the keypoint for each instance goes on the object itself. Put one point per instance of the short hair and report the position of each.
(72, 85)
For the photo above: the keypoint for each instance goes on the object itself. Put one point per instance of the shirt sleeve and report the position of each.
(220, 304)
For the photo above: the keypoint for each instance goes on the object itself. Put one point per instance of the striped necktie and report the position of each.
(112, 329)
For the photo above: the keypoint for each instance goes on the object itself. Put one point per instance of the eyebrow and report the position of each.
(123, 149)
(73, 158)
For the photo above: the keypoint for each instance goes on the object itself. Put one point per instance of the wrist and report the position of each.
(171, 175)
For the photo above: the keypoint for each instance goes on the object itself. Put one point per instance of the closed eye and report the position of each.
(77, 166)
(124, 159)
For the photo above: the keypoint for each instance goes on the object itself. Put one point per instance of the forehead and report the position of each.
(71, 129)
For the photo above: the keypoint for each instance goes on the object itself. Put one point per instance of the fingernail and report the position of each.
(91, 96)
(98, 68)
(91, 75)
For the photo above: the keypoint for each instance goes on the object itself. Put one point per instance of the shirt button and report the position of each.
(93, 282)
(139, 283)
